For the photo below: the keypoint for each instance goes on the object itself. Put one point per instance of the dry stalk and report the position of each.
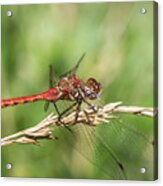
(44, 129)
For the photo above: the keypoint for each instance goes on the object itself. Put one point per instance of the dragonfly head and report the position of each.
(92, 89)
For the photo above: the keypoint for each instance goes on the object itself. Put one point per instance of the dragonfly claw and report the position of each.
(61, 123)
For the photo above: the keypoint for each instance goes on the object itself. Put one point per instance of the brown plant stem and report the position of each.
(44, 129)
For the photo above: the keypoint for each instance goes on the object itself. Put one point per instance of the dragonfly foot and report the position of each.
(61, 123)
(89, 120)
(94, 108)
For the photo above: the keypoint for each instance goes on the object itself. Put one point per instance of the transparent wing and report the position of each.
(117, 149)
(74, 69)
(46, 106)
(52, 82)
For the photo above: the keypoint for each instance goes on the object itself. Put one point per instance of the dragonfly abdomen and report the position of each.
(20, 100)
(50, 95)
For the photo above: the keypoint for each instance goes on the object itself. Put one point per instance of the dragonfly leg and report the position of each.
(77, 112)
(90, 105)
(89, 121)
(56, 108)
(68, 109)
(60, 122)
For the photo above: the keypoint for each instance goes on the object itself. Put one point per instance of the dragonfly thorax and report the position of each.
(76, 89)
(81, 90)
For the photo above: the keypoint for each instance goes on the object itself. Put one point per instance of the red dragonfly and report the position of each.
(69, 88)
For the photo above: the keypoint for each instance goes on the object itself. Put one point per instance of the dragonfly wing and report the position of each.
(53, 79)
(74, 69)
(52, 82)
(118, 151)
(46, 106)
(98, 152)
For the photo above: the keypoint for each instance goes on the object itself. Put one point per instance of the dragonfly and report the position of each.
(69, 88)
(85, 138)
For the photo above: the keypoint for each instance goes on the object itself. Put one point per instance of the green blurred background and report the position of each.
(118, 41)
